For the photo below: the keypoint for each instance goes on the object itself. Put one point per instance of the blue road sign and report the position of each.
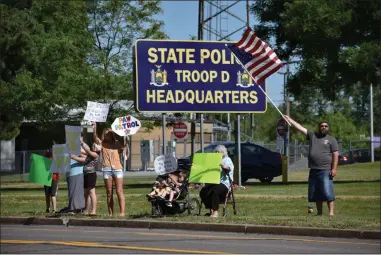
(193, 76)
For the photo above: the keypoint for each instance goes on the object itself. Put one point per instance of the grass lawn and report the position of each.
(357, 189)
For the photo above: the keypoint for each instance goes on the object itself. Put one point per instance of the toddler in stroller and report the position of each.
(160, 189)
(176, 199)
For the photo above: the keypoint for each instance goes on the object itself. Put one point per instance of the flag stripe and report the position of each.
(256, 42)
(250, 43)
(244, 37)
(256, 56)
(269, 73)
(257, 60)
(260, 47)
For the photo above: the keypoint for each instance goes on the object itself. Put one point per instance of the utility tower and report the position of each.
(219, 20)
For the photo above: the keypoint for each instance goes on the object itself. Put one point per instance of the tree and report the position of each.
(114, 26)
(336, 41)
(43, 47)
(56, 55)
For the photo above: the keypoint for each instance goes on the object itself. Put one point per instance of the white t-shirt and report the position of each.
(224, 177)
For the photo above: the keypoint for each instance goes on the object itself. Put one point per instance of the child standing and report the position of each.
(51, 192)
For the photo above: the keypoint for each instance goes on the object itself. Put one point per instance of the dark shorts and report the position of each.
(89, 180)
(320, 186)
(52, 190)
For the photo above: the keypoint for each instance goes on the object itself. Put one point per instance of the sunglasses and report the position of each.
(324, 126)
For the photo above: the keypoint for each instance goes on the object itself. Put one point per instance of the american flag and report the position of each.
(256, 56)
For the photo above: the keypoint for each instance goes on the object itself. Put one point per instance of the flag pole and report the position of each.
(259, 86)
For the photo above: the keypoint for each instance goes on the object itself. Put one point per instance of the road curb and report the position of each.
(237, 228)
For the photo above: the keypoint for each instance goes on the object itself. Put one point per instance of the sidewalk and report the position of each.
(237, 228)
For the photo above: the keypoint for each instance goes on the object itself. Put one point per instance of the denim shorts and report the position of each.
(108, 172)
(320, 186)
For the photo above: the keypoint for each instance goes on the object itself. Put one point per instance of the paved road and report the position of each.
(61, 239)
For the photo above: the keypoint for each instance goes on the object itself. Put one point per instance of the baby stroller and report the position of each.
(181, 202)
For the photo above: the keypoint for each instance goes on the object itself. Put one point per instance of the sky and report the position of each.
(181, 21)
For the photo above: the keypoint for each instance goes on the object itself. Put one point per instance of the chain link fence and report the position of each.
(298, 153)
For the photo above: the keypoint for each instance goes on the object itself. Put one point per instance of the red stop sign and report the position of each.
(180, 130)
(281, 127)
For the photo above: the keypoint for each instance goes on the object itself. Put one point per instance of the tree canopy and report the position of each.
(336, 45)
(337, 42)
(57, 55)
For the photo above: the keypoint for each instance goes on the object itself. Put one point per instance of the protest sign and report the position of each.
(39, 170)
(127, 125)
(73, 139)
(165, 164)
(206, 168)
(96, 111)
(61, 159)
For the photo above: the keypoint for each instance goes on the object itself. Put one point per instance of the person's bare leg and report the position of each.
(109, 193)
(93, 199)
(331, 207)
(54, 203)
(319, 207)
(171, 195)
(119, 193)
(87, 202)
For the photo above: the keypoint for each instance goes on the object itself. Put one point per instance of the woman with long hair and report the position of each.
(112, 168)
(90, 177)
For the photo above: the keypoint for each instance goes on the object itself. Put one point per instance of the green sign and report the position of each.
(39, 171)
(206, 168)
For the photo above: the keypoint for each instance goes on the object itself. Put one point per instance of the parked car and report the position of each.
(357, 155)
(256, 161)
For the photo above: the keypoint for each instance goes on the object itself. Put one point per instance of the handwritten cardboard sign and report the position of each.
(61, 159)
(165, 164)
(73, 139)
(96, 111)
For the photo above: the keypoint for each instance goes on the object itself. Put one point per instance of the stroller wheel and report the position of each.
(156, 210)
(193, 206)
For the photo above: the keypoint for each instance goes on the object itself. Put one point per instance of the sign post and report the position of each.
(282, 130)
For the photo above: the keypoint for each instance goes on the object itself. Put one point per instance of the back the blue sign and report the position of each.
(193, 76)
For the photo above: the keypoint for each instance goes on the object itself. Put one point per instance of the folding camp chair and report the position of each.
(229, 199)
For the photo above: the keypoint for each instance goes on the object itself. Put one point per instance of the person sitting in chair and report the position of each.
(212, 194)
(160, 189)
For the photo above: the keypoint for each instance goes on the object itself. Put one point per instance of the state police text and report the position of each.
(201, 96)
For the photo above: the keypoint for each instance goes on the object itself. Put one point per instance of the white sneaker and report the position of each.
(169, 204)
